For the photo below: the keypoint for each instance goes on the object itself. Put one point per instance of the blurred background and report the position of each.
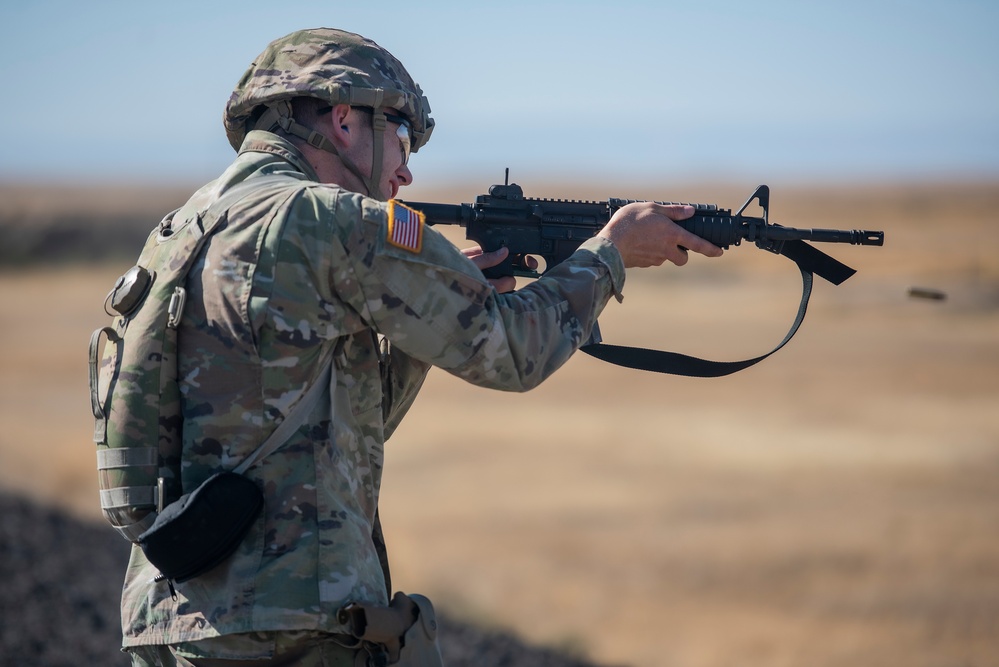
(654, 91)
(835, 505)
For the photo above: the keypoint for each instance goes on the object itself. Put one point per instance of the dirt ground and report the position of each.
(837, 504)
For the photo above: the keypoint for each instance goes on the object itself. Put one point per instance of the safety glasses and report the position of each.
(405, 134)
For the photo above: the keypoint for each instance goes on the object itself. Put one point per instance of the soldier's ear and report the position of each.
(341, 119)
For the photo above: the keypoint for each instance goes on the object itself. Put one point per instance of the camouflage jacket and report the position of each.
(288, 279)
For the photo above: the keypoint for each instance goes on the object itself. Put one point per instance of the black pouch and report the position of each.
(199, 530)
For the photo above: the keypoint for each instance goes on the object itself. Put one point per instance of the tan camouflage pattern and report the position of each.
(291, 273)
(332, 65)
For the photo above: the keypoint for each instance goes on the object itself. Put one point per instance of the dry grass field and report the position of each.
(836, 505)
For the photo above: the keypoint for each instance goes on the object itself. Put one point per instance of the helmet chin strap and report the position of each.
(279, 115)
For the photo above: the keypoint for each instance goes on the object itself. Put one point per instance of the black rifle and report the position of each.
(555, 228)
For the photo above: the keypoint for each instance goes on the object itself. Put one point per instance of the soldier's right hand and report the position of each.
(646, 235)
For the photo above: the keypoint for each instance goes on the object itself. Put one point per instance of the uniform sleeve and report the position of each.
(433, 304)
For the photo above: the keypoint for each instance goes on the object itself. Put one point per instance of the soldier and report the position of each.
(328, 267)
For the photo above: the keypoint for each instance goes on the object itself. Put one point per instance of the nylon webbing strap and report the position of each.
(132, 531)
(126, 457)
(100, 419)
(128, 496)
(291, 423)
(807, 258)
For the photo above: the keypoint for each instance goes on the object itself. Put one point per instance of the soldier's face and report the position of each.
(395, 150)
(395, 155)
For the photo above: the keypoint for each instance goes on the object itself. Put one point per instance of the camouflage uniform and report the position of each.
(289, 279)
(300, 273)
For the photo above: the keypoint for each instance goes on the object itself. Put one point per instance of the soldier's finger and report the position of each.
(488, 259)
(691, 241)
(678, 256)
(675, 211)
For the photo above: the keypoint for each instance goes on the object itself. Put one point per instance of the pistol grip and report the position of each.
(511, 266)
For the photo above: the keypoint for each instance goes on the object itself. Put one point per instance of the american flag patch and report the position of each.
(405, 227)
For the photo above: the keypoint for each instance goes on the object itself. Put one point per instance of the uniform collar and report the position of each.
(261, 141)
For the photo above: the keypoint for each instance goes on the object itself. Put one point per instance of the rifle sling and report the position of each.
(807, 258)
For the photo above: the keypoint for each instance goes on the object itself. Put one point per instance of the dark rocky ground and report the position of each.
(59, 586)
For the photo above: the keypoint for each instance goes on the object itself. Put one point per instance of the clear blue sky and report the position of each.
(624, 90)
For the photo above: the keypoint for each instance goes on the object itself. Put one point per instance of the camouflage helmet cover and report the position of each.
(331, 65)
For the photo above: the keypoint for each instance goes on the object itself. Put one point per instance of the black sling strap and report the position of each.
(810, 261)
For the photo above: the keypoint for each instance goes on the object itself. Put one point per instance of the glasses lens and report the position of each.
(404, 133)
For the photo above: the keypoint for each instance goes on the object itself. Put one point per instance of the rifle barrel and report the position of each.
(851, 236)
(440, 214)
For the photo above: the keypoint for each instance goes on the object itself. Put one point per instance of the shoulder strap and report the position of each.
(291, 423)
(308, 401)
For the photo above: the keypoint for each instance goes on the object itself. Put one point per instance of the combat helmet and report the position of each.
(337, 67)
